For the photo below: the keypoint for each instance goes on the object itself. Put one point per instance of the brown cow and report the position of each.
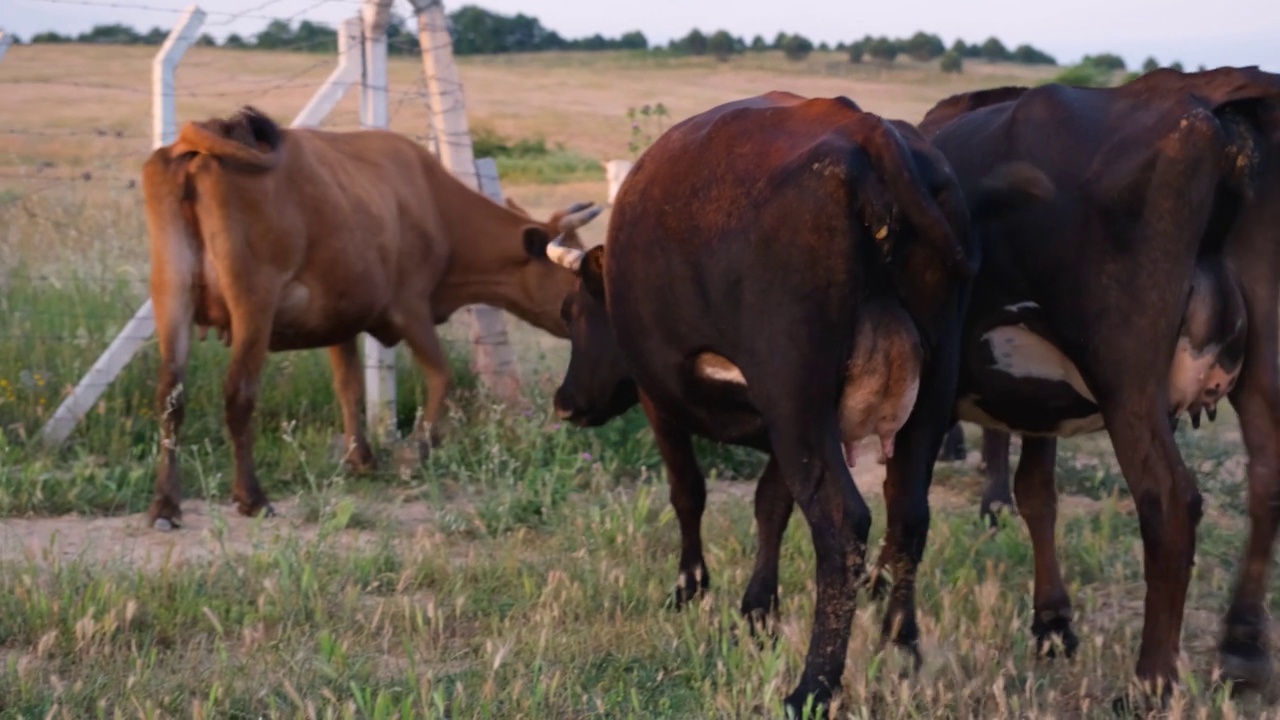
(286, 239)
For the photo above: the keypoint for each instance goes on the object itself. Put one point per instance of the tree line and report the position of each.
(476, 31)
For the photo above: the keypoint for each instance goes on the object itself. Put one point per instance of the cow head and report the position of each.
(544, 284)
(597, 385)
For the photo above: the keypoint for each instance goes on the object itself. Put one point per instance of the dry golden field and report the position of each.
(521, 570)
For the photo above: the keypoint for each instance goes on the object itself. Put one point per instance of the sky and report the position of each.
(1194, 32)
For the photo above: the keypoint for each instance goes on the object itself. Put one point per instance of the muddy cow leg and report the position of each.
(424, 343)
(773, 506)
(1038, 505)
(995, 456)
(1169, 508)
(348, 383)
(688, 497)
(804, 434)
(174, 316)
(1244, 650)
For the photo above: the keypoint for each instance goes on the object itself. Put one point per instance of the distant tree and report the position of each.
(842, 46)
(797, 47)
(960, 48)
(113, 34)
(1201, 68)
(1028, 55)
(695, 43)
(1175, 65)
(206, 40)
(634, 40)
(759, 44)
(49, 36)
(234, 41)
(824, 47)
(856, 51)
(923, 46)
(478, 31)
(883, 49)
(1150, 64)
(1105, 61)
(778, 41)
(995, 50)
(721, 45)
(951, 62)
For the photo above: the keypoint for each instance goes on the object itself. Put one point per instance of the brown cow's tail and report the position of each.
(249, 139)
(908, 196)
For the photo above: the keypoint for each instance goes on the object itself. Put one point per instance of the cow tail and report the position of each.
(249, 139)
(909, 196)
(175, 258)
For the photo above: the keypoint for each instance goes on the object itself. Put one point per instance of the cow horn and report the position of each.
(578, 207)
(578, 218)
(565, 257)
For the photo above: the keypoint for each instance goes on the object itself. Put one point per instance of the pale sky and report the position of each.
(1210, 32)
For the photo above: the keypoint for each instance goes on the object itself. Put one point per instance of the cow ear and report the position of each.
(536, 239)
(592, 272)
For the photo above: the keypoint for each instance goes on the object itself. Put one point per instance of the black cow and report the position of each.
(1145, 288)
(762, 260)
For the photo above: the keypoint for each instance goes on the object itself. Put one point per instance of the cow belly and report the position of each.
(307, 319)
(1025, 384)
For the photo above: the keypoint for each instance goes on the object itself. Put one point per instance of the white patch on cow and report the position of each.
(1022, 353)
(717, 368)
(1024, 305)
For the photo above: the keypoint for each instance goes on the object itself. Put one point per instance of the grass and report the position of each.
(523, 568)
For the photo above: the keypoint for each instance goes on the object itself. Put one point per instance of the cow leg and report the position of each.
(1169, 508)
(1244, 651)
(805, 437)
(995, 456)
(174, 315)
(348, 383)
(688, 497)
(250, 339)
(1038, 506)
(773, 505)
(953, 445)
(424, 343)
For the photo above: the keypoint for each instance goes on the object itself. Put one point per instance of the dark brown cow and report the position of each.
(290, 239)
(784, 274)
(1164, 223)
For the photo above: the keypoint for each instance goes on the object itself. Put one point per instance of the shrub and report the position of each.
(1084, 75)
(1106, 61)
(951, 63)
(993, 49)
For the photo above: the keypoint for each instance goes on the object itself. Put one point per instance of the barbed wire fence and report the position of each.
(71, 151)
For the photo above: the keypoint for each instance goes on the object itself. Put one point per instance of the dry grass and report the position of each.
(522, 569)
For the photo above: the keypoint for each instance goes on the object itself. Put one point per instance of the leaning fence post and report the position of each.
(5, 41)
(379, 360)
(142, 325)
(346, 74)
(491, 354)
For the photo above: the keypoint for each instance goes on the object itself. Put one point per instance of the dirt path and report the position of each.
(212, 530)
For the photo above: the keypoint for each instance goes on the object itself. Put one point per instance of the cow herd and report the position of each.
(795, 275)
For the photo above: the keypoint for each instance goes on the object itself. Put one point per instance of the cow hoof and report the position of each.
(164, 514)
(807, 704)
(1053, 634)
(1245, 666)
(258, 509)
(689, 587)
(994, 509)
